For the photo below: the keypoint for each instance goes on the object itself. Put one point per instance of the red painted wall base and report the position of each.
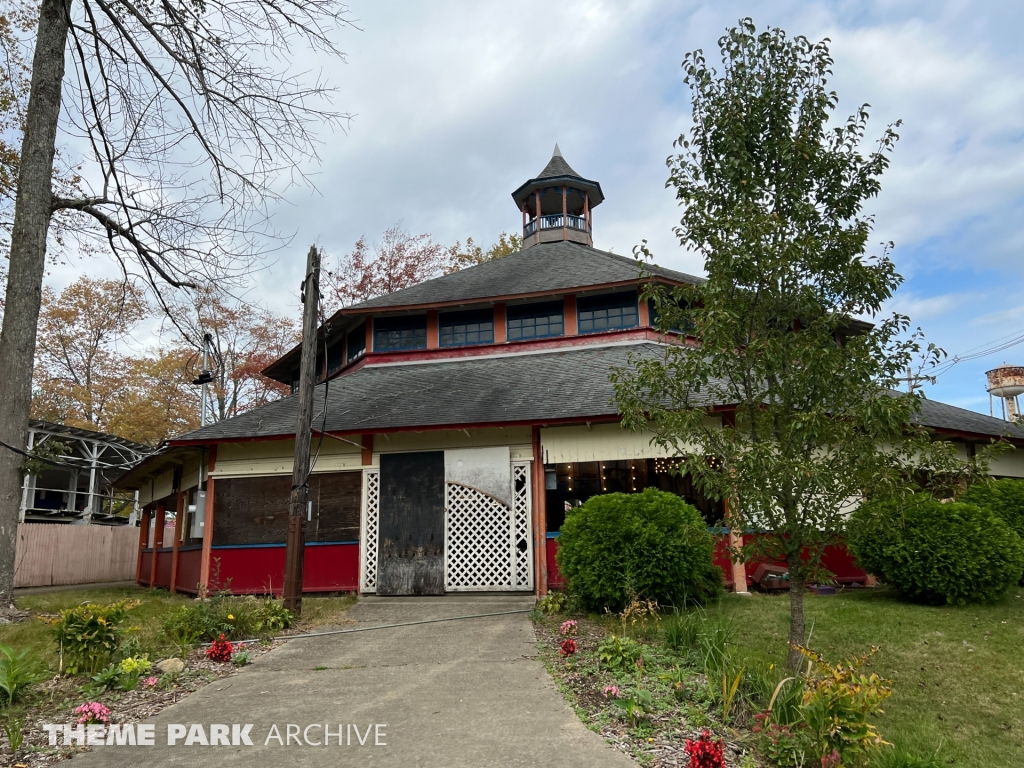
(836, 559)
(259, 570)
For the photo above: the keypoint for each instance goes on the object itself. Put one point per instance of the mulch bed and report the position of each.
(661, 741)
(60, 695)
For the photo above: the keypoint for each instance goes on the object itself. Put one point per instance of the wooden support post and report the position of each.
(179, 528)
(500, 324)
(158, 541)
(204, 562)
(369, 336)
(536, 198)
(540, 519)
(565, 213)
(433, 334)
(644, 310)
(367, 450)
(735, 542)
(295, 544)
(569, 319)
(143, 540)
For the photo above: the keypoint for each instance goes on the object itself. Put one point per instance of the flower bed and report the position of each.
(636, 706)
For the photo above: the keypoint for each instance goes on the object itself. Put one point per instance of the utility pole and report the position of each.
(296, 542)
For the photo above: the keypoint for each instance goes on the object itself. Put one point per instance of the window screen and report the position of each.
(535, 321)
(608, 313)
(394, 333)
(356, 343)
(460, 328)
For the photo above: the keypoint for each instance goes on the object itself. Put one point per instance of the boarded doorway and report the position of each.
(411, 554)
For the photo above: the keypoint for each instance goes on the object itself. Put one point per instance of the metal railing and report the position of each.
(556, 221)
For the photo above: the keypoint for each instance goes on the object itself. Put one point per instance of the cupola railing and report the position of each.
(556, 221)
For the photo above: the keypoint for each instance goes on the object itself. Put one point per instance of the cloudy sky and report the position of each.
(456, 103)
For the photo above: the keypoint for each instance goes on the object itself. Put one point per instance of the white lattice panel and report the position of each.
(370, 528)
(523, 544)
(478, 540)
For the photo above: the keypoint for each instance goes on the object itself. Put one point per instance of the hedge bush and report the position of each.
(1005, 498)
(651, 544)
(937, 553)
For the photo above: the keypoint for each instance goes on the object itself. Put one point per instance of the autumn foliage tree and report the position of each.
(80, 373)
(246, 339)
(399, 260)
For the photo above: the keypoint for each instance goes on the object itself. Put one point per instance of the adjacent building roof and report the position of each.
(545, 268)
(567, 384)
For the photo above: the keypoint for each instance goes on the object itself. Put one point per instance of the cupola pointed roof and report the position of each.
(556, 173)
(557, 167)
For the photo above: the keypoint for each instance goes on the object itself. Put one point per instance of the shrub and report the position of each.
(650, 544)
(937, 553)
(837, 703)
(237, 618)
(1004, 497)
(88, 635)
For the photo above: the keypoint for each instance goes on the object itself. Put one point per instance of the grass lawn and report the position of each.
(36, 634)
(958, 673)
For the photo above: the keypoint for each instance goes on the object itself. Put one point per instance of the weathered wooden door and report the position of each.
(411, 550)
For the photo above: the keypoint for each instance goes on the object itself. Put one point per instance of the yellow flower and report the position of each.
(230, 617)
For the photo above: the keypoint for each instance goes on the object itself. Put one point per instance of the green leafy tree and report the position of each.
(786, 407)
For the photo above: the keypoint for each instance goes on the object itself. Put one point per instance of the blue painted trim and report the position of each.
(554, 534)
(281, 544)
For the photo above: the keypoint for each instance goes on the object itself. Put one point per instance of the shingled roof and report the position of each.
(559, 385)
(557, 167)
(545, 268)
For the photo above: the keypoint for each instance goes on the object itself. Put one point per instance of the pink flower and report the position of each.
(151, 682)
(611, 692)
(568, 628)
(568, 646)
(92, 712)
(831, 761)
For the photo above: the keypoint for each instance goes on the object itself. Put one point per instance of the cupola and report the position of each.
(557, 204)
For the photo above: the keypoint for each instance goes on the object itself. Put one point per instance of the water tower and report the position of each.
(1006, 383)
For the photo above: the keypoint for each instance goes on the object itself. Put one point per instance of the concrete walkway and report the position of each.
(459, 693)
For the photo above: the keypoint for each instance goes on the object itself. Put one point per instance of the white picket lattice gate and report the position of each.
(488, 546)
(369, 528)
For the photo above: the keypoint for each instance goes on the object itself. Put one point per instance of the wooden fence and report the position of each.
(49, 555)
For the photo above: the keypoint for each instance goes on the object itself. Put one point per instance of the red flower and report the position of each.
(705, 752)
(220, 650)
(568, 646)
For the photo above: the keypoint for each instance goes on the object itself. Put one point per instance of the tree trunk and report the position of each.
(797, 627)
(32, 213)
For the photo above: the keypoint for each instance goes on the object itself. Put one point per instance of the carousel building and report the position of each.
(455, 421)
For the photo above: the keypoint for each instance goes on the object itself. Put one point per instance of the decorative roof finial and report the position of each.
(557, 152)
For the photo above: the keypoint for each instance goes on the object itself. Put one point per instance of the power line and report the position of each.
(983, 350)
